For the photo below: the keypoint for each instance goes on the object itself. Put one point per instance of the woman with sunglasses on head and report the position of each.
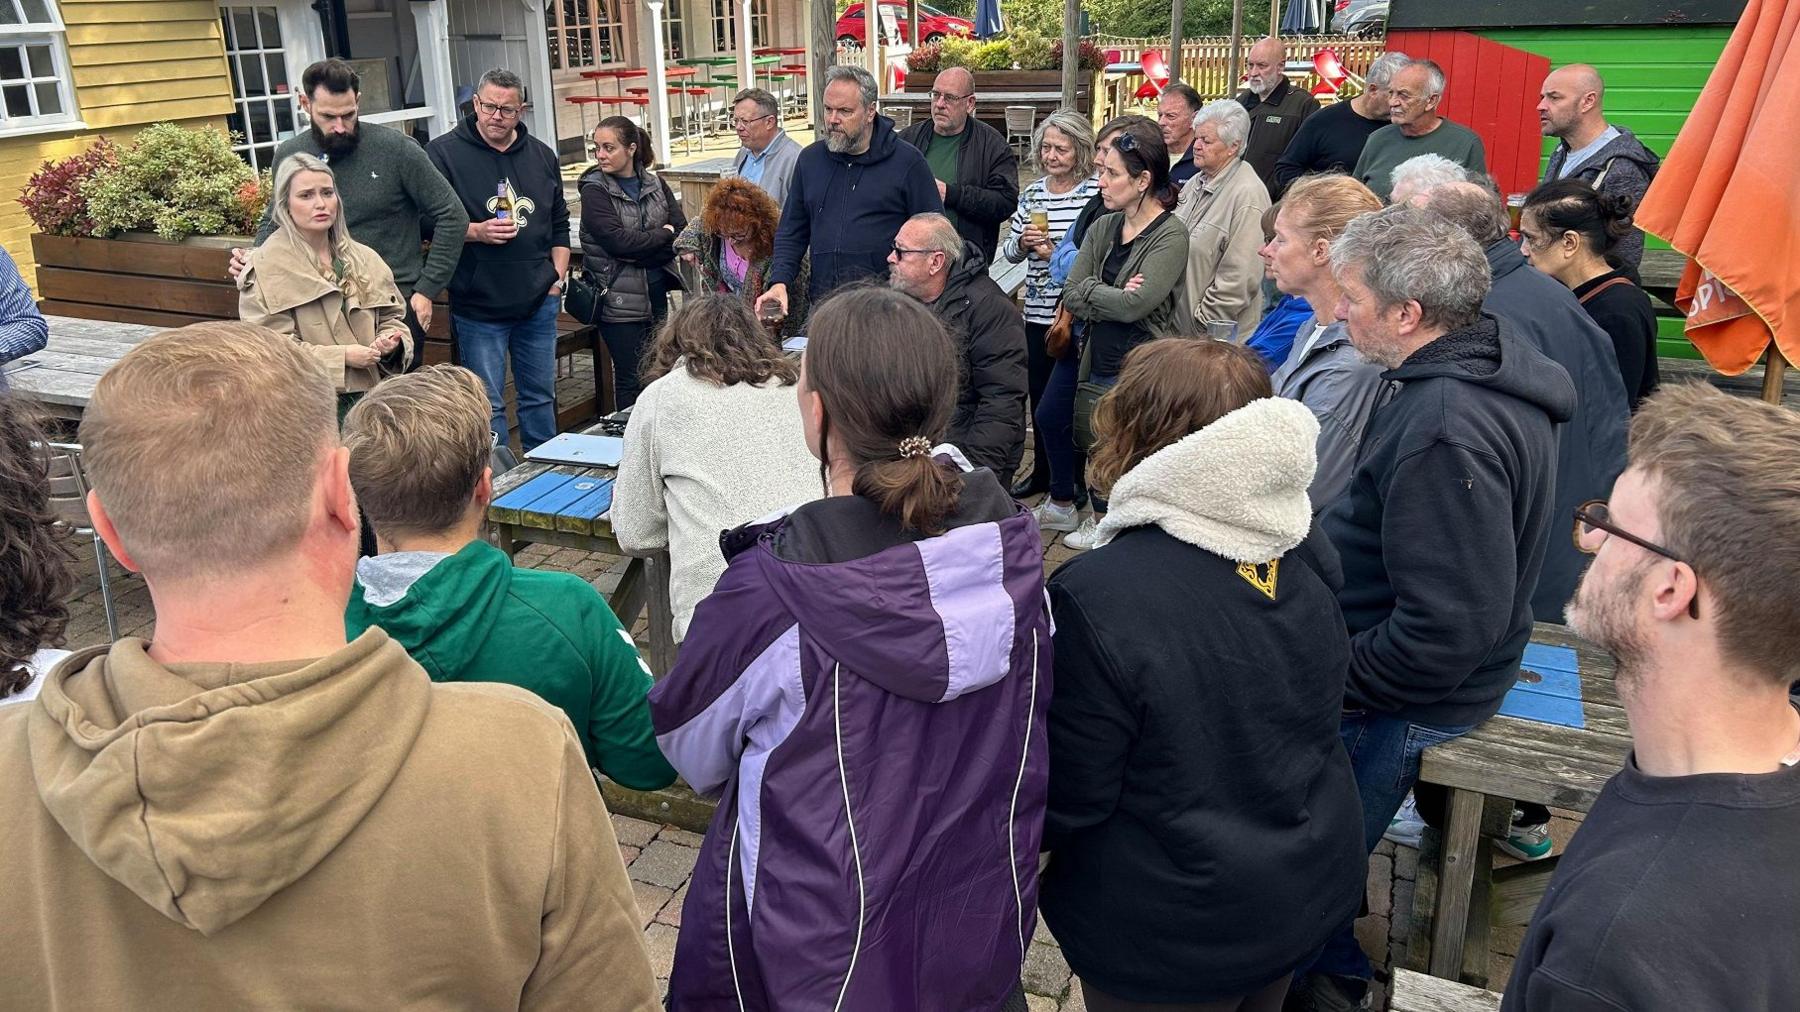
(867, 686)
(1125, 287)
(1203, 828)
(1568, 229)
(629, 221)
(732, 244)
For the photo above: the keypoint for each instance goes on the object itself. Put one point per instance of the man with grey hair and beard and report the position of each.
(1442, 529)
(1332, 139)
(850, 193)
(1277, 108)
(933, 263)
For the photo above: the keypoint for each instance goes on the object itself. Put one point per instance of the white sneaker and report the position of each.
(1406, 828)
(1051, 517)
(1083, 537)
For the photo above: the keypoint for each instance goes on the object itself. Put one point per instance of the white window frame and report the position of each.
(53, 34)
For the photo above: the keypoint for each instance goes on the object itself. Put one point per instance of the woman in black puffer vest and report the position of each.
(629, 221)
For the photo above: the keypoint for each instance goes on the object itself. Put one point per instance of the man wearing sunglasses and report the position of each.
(976, 171)
(768, 155)
(1442, 529)
(507, 290)
(1679, 891)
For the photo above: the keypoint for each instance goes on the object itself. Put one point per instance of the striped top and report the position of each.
(1041, 294)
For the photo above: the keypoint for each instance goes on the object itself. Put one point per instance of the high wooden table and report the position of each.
(558, 517)
(1486, 770)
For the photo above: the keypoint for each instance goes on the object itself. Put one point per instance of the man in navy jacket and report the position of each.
(1442, 530)
(850, 194)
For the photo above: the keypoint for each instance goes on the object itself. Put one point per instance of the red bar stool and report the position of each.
(581, 102)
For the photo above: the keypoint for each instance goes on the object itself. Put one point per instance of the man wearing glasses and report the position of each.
(507, 291)
(388, 187)
(1679, 890)
(976, 171)
(1415, 128)
(1442, 530)
(768, 155)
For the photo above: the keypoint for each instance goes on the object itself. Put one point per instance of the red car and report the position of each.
(933, 24)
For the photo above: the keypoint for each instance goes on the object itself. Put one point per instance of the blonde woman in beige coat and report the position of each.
(311, 281)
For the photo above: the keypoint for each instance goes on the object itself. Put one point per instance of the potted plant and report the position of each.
(1024, 61)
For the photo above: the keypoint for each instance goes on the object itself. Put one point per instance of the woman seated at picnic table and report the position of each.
(1203, 830)
(1222, 208)
(867, 687)
(313, 282)
(1124, 288)
(732, 242)
(714, 442)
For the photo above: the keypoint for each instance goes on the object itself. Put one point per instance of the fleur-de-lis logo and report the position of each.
(521, 209)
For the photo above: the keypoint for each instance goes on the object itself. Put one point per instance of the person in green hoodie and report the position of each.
(419, 465)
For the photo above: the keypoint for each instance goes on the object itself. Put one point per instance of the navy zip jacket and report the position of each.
(1442, 531)
(846, 209)
(508, 281)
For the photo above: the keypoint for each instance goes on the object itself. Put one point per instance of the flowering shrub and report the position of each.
(1023, 49)
(53, 197)
(1089, 56)
(927, 59)
(175, 182)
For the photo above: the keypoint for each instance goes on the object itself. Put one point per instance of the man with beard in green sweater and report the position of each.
(419, 465)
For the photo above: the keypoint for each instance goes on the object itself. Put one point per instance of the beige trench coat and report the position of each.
(284, 290)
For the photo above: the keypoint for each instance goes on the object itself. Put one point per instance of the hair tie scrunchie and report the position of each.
(915, 446)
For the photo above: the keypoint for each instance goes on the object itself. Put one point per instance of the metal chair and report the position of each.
(900, 114)
(1021, 120)
(68, 502)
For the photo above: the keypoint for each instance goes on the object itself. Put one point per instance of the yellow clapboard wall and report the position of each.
(134, 62)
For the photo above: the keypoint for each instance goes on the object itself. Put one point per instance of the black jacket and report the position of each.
(1624, 167)
(989, 424)
(624, 244)
(1442, 531)
(986, 191)
(846, 209)
(1331, 140)
(1273, 123)
(1590, 451)
(1625, 313)
(1203, 826)
(508, 281)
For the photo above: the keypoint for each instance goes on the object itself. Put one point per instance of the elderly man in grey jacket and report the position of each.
(768, 155)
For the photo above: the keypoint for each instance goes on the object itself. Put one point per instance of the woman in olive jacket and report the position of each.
(629, 221)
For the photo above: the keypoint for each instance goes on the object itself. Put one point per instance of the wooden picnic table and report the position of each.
(62, 376)
(558, 517)
(1507, 759)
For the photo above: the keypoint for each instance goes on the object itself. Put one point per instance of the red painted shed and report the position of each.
(1493, 90)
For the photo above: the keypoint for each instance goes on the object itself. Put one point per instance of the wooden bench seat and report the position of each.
(1416, 992)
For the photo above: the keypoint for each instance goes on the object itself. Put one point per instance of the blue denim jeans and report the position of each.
(484, 346)
(1055, 420)
(1384, 754)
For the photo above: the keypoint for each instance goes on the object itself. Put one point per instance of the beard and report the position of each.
(1601, 613)
(840, 141)
(1263, 86)
(335, 145)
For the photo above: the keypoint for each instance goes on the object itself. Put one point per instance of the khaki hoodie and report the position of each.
(284, 290)
(339, 833)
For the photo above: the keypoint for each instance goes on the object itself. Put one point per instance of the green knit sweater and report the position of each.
(388, 185)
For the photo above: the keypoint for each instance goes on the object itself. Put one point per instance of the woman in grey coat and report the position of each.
(1323, 371)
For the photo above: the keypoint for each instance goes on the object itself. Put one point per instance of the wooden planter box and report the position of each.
(993, 86)
(138, 278)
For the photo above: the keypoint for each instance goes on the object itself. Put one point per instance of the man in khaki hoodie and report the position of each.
(249, 812)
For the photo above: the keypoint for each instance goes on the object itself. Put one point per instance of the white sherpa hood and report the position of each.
(1236, 488)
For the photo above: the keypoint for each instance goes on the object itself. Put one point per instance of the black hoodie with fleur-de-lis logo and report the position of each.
(507, 281)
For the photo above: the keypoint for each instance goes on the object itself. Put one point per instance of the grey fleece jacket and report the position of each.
(388, 185)
(1624, 167)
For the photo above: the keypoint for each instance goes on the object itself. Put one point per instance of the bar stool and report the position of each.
(581, 102)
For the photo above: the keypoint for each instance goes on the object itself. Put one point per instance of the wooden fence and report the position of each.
(1205, 62)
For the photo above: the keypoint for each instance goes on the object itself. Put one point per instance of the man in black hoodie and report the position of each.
(1442, 529)
(933, 263)
(851, 192)
(507, 290)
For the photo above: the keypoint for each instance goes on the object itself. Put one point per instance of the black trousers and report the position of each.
(1038, 365)
(1268, 999)
(627, 343)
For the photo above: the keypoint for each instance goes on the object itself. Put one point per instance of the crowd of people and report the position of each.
(1320, 425)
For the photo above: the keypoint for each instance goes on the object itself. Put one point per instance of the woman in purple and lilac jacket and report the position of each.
(867, 686)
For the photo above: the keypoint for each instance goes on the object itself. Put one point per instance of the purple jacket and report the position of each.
(877, 725)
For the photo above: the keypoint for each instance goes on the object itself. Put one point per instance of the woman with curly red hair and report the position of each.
(731, 243)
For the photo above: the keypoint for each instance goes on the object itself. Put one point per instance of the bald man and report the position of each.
(1609, 157)
(1276, 108)
(976, 171)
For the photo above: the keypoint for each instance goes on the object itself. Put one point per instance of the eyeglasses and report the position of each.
(944, 96)
(738, 238)
(902, 251)
(1593, 515)
(745, 124)
(489, 109)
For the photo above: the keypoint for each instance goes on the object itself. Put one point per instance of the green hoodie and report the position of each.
(472, 617)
